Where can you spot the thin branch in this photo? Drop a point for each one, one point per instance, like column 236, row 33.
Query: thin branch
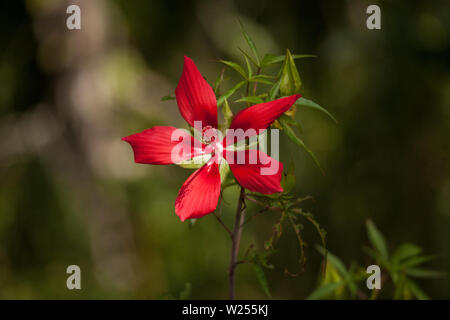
column 218, row 215
column 256, row 83
column 265, row 208
column 236, row 239
column 254, row 215
column 299, row 238
column 262, row 204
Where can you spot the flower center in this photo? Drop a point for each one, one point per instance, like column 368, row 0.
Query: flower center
column 209, row 134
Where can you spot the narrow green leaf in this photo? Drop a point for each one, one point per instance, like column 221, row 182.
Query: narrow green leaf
column 424, row 273
column 353, row 279
column 249, row 57
column 291, row 122
column 219, row 81
column 262, row 279
column 263, row 76
column 415, row 261
column 302, row 56
column 396, row 278
column 299, row 142
column 405, row 251
column 400, row 291
column 251, row 99
column 302, row 102
column 274, row 90
column 324, row 290
column 377, row 239
column 260, row 80
column 229, row 93
column 288, row 119
column 250, row 42
column 270, row 59
column 335, row 261
column 236, row 67
column 416, row 291
column 249, row 67
column 168, row 97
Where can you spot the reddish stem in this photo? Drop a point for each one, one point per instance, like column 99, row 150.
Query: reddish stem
column 236, row 239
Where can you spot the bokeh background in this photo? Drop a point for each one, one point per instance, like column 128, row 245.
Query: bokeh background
column 70, row 192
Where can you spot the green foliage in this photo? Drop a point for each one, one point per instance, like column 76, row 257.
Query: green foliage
column 286, row 205
column 286, row 81
column 404, row 264
column 344, row 280
column 259, row 272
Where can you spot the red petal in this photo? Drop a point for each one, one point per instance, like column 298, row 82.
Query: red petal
column 200, row 192
column 257, row 176
column 155, row 145
column 195, row 97
column 260, row 116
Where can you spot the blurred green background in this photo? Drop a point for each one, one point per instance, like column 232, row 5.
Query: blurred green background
column 70, row 192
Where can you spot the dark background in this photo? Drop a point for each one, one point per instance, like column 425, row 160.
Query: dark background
column 70, row 192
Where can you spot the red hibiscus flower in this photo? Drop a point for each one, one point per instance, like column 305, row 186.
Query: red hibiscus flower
column 197, row 102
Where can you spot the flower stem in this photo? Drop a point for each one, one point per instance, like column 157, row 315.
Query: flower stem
column 256, row 83
column 236, row 239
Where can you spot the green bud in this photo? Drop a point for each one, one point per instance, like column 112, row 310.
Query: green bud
column 290, row 82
